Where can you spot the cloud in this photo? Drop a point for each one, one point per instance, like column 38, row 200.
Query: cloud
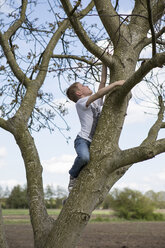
column 3, row 154
column 125, row 11
column 143, row 187
column 135, row 114
column 161, row 175
column 146, row 52
column 10, row 183
column 60, row 164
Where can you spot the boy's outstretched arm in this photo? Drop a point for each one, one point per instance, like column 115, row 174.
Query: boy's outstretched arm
column 103, row 91
column 103, row 77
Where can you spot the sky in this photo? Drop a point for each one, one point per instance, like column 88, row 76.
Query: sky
column 57, row 155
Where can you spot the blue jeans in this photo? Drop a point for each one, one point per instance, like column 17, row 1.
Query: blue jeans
column 82, row 149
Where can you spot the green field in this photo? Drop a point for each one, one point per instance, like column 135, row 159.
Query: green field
column 21, row 216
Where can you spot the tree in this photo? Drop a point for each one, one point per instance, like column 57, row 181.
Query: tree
column 131, row 204
column 54, row 197
column 157, row 198
column 24, row 74
column 17, row 198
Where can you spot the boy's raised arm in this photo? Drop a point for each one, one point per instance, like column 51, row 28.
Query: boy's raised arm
column 103, row 77
column 103, row 91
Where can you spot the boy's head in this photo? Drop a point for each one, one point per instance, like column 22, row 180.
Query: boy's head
column 77, row 91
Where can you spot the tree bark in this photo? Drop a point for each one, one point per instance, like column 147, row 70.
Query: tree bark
column 3, row 243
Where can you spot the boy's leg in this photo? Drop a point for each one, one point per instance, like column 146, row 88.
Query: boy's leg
column 83, row 156
column 82, row 149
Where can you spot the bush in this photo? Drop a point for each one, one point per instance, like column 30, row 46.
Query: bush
column 129, row 204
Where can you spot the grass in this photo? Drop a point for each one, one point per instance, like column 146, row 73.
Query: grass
column 15, row 212
column 26, row 211
column 16, row 221
column 21, row 216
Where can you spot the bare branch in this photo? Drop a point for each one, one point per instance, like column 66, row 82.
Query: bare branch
column 74, row 57
column 8, row 50
column 147, row 41
column 163, row 125
column 157, row 61
column 49, row 50
column 158, row 10
column 160, row 42
column 112, row 23
column 150, row 19
column 4, row 124
column 75, row 8
column 12, row 62
column 154, row 130
column 55, row 38
column 12, row 29
column 83, row 36
column 117, row 3
column 135, row 155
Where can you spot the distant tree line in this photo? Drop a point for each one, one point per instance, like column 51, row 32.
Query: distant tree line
column 17, row 197
column 127, row 203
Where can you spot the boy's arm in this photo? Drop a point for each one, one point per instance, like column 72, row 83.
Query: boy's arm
column 103, row 91
column 103, row 77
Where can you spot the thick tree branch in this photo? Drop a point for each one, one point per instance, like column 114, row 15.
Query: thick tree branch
column 136, row 154
column 139, row 9
column 158, row 10
column 83, row 36
column 4, row 124
column 150, row 19
column 163, row 125
column 109, row 18
column 141, row 24
column 47, row 54
column 17, row 24
column 157, row 61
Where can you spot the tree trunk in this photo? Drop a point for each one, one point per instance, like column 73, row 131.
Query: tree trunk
column 3, row 243
column 41, row 221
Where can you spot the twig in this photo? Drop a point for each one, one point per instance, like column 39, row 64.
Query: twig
column 150, row 19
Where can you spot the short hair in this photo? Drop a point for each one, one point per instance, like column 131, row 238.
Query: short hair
column 71, row 92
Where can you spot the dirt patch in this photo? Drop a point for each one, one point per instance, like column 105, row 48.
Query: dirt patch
column 101, row 235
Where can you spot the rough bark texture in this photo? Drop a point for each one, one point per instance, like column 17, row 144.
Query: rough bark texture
column 108, row 163
column 3, row 243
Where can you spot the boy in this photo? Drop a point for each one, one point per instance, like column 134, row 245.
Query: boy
column 88, row 107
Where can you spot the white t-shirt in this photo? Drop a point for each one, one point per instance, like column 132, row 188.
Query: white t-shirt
column 88, row 116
